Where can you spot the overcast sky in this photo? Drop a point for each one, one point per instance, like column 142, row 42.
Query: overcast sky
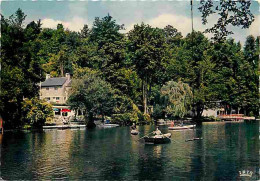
column 74, row 14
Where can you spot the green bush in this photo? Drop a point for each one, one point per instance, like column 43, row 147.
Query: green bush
column 124, row 119
column 36, row 112
column 158, row 112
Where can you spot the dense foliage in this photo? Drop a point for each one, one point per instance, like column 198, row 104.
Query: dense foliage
column 93, row 95
column 178, row 96
column 36, row 112
column 122, row 75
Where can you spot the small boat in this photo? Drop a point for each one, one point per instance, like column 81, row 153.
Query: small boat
column 182, row 127
column 108, row 125
column 134, row 132
column 158, row 140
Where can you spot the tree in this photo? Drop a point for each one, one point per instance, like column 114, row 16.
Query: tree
column 148, row 50
column 20, row 69
column 84, row 33
column 93, row 95
column 235, row 13
column 36, row 112
column 173, row 37
column 111, row 46
column 192, row 64
column 251, row 53
column 108, row 27
column 235, row 82
column 179, row 96
column 57, row 49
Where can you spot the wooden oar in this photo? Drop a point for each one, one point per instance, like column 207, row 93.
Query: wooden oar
column 144, row 136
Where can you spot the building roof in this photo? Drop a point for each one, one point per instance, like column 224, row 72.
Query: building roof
column 51, row 82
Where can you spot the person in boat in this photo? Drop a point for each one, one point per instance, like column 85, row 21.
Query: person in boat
column 158, row 133
column 133, row 126
column 172, row 124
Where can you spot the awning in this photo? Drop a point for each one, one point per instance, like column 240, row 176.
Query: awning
column 65, row 110
column 56, row 109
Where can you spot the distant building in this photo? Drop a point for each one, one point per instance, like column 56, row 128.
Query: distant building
column 214, row 112
column 56, row 91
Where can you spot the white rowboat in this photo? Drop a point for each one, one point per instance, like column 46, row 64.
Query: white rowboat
column 182, row 127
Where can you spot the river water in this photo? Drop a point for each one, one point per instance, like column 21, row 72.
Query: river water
column 114, row 153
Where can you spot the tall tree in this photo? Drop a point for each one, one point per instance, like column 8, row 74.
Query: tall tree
column 84, row 33
column 110, row 46
column 251, row 53
column 173, row 36
column 192, row 64
column 148, row 51
column 20, row 70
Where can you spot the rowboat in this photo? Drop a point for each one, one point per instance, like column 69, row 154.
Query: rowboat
column 182, row 127
column 134, row 132
column 158, row 140
column 108, row 125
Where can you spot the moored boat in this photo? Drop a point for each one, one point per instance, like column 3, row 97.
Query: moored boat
column 182, row 127
column 108, row 125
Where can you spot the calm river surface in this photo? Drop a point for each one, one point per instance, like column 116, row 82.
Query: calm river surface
column 114, row 153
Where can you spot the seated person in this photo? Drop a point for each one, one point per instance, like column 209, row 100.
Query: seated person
column 133, row 126
column 158, row 133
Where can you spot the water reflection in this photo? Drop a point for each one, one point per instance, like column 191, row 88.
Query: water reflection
column 226, row 149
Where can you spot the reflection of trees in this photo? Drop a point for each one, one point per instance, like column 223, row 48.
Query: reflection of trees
column 51, row 153
column 225, row 150
column 166, row 161
column 113, row 154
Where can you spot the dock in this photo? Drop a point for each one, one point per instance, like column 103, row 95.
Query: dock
column 69, row 126
column 235, row 117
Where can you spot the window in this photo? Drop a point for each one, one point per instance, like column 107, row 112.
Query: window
column 57, row 98
column 48, row 98
column 47, row 88
column 56, row 88
column 64, row 98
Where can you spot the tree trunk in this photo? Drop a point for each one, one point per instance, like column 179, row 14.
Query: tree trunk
column 199, row 107
column 90, row 123
column 103, row 118
column 149, row 97
column 145, row 95
column 61, row 70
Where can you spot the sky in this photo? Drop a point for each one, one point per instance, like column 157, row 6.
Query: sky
column 73, row 14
